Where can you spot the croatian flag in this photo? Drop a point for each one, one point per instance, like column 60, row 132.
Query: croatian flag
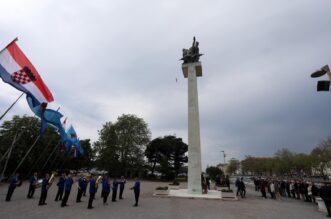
column 18, row 71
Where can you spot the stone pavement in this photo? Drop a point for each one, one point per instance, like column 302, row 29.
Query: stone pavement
column 253, row 206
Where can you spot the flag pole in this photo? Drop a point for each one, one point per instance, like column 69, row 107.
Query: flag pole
column 11, row 148
column 26, row 154
column 14, row 40
column 3, row 115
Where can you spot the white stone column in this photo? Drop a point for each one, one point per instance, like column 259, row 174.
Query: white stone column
column 191, row 71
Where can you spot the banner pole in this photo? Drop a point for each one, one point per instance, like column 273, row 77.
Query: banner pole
column 3, row 115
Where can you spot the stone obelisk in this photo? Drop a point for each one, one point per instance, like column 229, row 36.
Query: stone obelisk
column 191, row 70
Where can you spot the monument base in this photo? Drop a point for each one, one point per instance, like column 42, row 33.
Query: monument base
column 183, row 193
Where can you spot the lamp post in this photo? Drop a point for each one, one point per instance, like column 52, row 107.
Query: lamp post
column 224, row 155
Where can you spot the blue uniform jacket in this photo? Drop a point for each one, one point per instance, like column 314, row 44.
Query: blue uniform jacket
column 115, row 184
column 105, row 186
column 136, row 187
column 81, row 183
column 61, row 182
column 67, row 184
column 122, row 183
column 33, row 179
column 44, row 185
column 92, row 186
column 13, row 182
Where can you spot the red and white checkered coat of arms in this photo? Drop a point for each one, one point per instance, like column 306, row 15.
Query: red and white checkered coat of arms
column 22, row 76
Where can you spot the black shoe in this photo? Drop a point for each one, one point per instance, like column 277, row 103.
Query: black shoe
column 55, row 200
column 113, row 200
column 135, row 205
column 78, row 201
column 90, row 207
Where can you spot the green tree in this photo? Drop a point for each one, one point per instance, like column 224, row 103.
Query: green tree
column 233, row 166
column 26, row 130
column 321, row 156
column 213, row 171
column 121, row 145
column 170, row 153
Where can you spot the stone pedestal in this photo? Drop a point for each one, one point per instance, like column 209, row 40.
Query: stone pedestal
column 192, row 71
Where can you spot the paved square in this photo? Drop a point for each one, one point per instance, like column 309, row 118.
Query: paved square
column 253, row 206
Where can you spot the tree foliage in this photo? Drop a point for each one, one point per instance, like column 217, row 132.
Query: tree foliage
column 120, row 147
column 213, row 172
column 169, row 153
column 233, row 166
column 45, row 156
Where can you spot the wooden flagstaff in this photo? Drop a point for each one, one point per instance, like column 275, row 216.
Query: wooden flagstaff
column 3, row 115
column 14, row 40
column 9, row 153
column 27, row 153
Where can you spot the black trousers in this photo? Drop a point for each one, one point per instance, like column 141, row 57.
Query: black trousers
column 84, row 191
column 65, row 198
column 32, row 189
column 121, row 192
column 43, row 197
column 79, row 195
column 114, row 195
column 328, row 205
column 136, row 196
column 10, row 193
column 264, row 195
column 90, row 200
column 59, row 194
column 105, row 196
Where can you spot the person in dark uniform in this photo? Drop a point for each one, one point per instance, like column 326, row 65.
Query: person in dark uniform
column 60, row 186
column 122, row 184
column 81, row 188
column 67, row 188
column 104, row 178
column 105, row 189
column 14, row 182
column 325, row 193
column 32, row 187
column 114, row 187
column 93, row 190
column 44, row 189
column 85, row 185
column 136, row 190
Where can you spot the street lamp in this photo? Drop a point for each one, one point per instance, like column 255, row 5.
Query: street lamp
column 224, row 155
column 322, row 85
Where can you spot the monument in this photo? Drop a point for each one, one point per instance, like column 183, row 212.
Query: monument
column 192, row 69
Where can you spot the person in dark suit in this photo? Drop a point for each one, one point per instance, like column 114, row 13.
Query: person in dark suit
column 325, row 193
column 60, row 186
column 67, row 188
column 114, row 187
column 44, row 189
column 93, row 190
column 105, row 189
column 14, row 182
column 136, row 190
column 81, row 188
column 122, row 184
column 32, row 187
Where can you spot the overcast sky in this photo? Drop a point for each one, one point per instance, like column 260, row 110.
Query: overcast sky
column 102, row 58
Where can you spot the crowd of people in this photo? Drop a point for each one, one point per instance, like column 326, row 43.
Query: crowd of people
column 295, row 188
column 65, row 182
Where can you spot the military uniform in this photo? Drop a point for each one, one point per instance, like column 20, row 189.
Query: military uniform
column 32, row 187
column 44, row 189
column 67, row 188
column 92, row 191
column 12, row 187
